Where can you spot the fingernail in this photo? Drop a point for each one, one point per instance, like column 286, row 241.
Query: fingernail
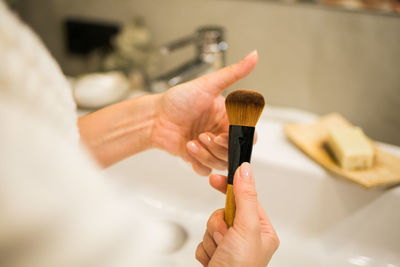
column 251, row 54
column 204, row 138
column 192, row 147
column 245, row 171
column 217, row 237
column 221, row 141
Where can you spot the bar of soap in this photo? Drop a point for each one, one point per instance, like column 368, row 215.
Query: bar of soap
column 351, row 147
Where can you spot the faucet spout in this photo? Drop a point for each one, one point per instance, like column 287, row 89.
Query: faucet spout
column 186, row 72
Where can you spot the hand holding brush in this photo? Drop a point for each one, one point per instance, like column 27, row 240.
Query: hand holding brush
column 251, row 241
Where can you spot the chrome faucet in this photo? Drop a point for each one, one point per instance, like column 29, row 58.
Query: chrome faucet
column 210, row 56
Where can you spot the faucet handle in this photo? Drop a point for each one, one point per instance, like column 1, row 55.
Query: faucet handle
column 210, row 35
column 210, row 39
column 174, row 45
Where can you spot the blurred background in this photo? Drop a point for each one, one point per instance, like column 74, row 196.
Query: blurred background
column 321, row 56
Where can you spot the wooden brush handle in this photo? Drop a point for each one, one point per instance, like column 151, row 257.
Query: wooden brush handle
column 230, row 206
column 239, row 151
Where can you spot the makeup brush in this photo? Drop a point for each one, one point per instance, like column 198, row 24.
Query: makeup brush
column 243, row 108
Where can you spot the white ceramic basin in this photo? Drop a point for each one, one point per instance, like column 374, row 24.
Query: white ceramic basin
column 322, row 220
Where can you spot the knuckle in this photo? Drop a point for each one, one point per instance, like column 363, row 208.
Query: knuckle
column 210, row 159
column 201, row 170
column 205, row 171
column 275, row 241
column 272, row 243
column 208, row 244
column 205, row 157
column 223, row 155
column 221, row 165
column 214, row 219
column 218, row 149
column 248, row 193
column 218, row 158
column 199, row 252
column 231, row 69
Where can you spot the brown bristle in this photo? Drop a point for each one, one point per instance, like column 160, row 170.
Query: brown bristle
column 244, row 107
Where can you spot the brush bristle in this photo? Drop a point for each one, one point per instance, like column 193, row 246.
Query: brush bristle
column 244, row 107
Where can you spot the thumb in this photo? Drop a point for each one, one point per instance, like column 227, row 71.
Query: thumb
column 216, row 82
column 246, row 198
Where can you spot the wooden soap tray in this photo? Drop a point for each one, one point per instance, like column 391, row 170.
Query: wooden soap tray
column 311, row 138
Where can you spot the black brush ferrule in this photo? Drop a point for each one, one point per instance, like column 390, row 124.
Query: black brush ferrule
column 240, row 147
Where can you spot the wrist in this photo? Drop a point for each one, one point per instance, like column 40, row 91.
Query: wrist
column 120, row 130
column 142, row 115
column 163, row 133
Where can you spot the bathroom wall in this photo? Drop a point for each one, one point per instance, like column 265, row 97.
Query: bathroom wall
column 316, row 59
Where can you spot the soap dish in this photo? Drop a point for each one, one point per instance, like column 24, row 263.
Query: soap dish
column 311, row 139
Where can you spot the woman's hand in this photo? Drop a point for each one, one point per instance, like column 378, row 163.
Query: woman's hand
column 191, row 120
column 251, row 241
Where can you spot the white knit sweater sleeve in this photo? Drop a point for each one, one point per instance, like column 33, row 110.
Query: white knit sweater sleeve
column 56, row 208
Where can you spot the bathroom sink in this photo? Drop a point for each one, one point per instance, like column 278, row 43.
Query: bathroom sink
column 321, row 219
